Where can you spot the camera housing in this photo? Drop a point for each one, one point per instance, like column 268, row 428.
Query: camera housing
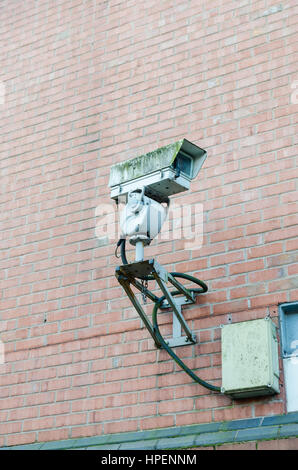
column 163, row 172
column 142, row 218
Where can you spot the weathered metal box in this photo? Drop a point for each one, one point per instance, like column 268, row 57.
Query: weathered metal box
column 250, row 359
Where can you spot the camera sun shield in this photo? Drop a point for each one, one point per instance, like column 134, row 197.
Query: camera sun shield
column 163, row 172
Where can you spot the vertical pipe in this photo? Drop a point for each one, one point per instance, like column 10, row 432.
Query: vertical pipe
column 139, row 251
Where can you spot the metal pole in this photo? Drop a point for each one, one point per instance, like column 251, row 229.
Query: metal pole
column 126, row 286
column 139, row 251
column 172, row 303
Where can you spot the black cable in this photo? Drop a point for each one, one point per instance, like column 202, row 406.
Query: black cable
column 173, row 355
column 122, row 250
column 203, row 288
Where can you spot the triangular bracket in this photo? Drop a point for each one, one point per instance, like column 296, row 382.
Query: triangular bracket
column 135, row 273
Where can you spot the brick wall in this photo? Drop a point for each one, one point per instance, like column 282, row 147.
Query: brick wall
column 87, row 83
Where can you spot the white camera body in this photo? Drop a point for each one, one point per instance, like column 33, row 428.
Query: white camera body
column 141, row 218
column 164, row 172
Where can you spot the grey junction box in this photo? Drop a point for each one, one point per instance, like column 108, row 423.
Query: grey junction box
column 250, row 359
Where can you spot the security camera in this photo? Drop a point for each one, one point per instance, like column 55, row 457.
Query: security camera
column 163, row 172
column 145, row 183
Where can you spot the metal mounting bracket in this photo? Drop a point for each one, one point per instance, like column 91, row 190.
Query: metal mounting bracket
column 132, row 274
column 177, row 338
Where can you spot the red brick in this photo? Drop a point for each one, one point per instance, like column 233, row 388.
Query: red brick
column 227, row 258
column 54, row 435
column 121, row 426
column 269, row 409
column 72, row 419
column 196, row 417
column 86, row 431
column 111, row 414
column 278, row 444
column 176, row 406
column 36, row 424
column 271, row 299
column 212, row 401
column 238, row 446
column 249, row 291
column 157, row 422
column 262, row 276
column 20, row 438
column 238, row 268
column 261, row 251
column 229, row 307
column 54, row 409
column 237, row 412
